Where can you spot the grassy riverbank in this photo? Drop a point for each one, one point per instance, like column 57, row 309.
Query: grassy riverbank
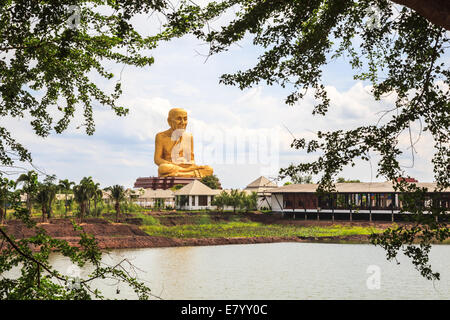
column 253, row 229
column 170, row 229
column 243, row 226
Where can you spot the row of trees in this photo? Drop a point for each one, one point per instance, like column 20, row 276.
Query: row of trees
column 307, row 179
column 86, row 193
column 236, row 199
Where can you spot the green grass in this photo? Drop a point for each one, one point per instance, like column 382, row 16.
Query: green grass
column 147, row 220
column 252, row 229
column 203, row 220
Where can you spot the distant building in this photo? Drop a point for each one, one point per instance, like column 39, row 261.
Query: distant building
column 195, row 196
column 364, row 197
column 262, row 187
column 149, row 198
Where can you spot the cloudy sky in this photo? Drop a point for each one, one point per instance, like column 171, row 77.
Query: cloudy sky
column 241, row 134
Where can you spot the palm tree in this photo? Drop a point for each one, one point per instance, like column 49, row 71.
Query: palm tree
column 91, row 188
column 30, row 186
column 95, row 193
column 82, row 195
column 66, row 187
column 221, row 200
column 52, row 190
column 235, row 199
column 43, row 199
column 6, row 187
column 117, row 193
column 250, row 202
column 98, row 195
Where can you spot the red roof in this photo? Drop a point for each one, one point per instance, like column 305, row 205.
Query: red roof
column 407, row 179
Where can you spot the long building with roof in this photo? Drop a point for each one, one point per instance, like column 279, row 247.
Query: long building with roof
column 359, row 197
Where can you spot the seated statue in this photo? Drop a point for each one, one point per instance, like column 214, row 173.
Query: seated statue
column 174, row 149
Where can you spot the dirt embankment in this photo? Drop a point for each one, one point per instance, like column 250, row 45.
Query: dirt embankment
column 118, row 235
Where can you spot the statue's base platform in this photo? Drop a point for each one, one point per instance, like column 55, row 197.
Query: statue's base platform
column 161, row 182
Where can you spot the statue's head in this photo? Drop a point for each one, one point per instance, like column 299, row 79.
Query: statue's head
column 177, row 118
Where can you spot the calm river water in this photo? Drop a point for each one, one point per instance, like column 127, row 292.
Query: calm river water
column 277, row 271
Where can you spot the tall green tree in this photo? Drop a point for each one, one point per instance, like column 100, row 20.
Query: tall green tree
column 211, row 181
column 65, row 186
column 82, row 194
column 221, row 200
column 7, row 195
column 393, row 48
column 52, row 190
column 235, row 199
column 250, row 201
column 48, row 49
column 30, row 184
column 90, row 188
column 42, row 198
column 98, row 196
column 117, row 194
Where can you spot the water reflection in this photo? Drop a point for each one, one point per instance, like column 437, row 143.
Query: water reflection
column 276, row 271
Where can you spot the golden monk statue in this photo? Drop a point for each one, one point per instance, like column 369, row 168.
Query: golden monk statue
column 174, row 149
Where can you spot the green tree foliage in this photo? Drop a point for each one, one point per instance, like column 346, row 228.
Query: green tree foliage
column 52, row 190
column 82, row 195
column 235, row 199
column 221, row 200
column 211, row 181
column 97, row 195
column 250, row 201
column 177, row 187
column 343, row 180
column 44, row 197
column 8, row 195
column 30, row 184
column 38, row 280
column 65, row 186
column 117, row 194
column 47, row 50
column 401, row 54
column 301, row 179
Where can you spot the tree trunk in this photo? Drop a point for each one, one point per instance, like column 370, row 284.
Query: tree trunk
column 82, row 211
column 43, row 211
column 66, row 205
column 50, row 210
column 1, row 214
column 29, row 204
column 435, row 11
column 117, row 207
